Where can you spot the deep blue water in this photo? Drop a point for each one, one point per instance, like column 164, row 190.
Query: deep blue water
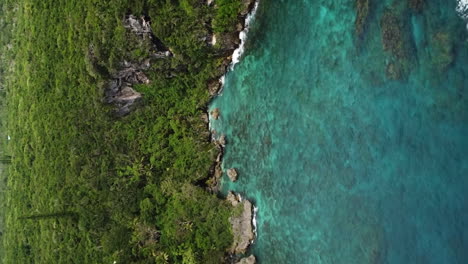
column 345, row 164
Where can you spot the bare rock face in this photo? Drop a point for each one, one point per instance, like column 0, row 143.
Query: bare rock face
column 119, row 90
column 232, row 174
column 249, row 260
column 216, row 172
column 138, row 26
column 232, row 198
column 242, row 228
column 221, row 141
column 204, row 117
column 247, row 6
column 215, row 113
column 228, row 42
column 214, row 87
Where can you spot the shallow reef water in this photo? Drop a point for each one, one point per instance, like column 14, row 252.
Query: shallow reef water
column 351, row 137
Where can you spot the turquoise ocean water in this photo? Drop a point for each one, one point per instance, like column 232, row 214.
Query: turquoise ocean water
column 345, row 164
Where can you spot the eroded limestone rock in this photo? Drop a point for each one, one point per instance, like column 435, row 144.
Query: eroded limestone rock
column 214, row 87
column 119, row 90
column 215, row 113
column 232, row 198
column 249, row 260
column 242, row 227
column 232, row 174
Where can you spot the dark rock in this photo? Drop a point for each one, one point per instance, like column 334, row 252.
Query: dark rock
column 215, row 113
column 142, row 28
column 204, row 117
column 222, row 68
column 216, row 172
column 249, row 260
column 247, row 6
column 227, row 42
column 119, row 90
column 232, row 174
column 221, row 141
column 214, row 86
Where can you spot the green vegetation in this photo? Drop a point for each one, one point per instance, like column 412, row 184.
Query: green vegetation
column 84, row 186
column 226, row 17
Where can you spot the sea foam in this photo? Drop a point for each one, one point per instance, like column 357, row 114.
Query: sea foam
column 237, row 54
column 243, row 37
column 254, row 222
column 462, row 8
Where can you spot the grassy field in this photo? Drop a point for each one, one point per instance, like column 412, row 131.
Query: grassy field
column 83, row 186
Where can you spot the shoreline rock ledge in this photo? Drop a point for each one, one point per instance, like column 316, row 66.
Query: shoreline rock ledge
column 241, row 222
column 249, row 260
column 232, row 174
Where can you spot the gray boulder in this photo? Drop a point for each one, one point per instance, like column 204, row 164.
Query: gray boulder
column 249, row 260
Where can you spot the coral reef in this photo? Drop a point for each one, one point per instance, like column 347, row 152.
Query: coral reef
column 442, row 50
column 362, row 13
column 416, row 5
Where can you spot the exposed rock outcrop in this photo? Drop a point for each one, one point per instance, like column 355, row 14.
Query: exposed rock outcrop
column 227, row 42
column 214, row 87
column 249, row 260
column 142, row 28
column 216, row 171
column 232, row 198
column 119, row 90
column 138, row 26
column 221, row 141
column 204, row 117
column 215, row 113
column 232, row 174
column 242, row 227
column 247, row 6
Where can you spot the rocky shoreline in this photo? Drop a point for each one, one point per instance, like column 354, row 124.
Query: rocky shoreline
column 242, row 219
column 228, row 47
